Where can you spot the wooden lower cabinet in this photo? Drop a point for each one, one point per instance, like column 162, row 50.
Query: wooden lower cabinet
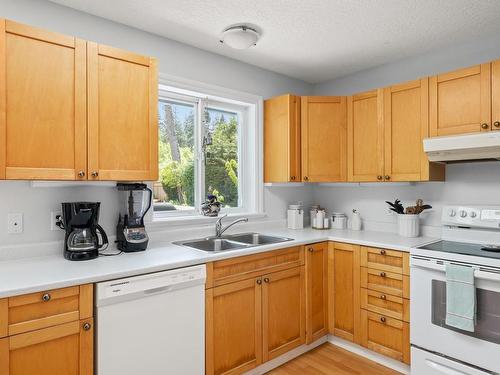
column 385, row 335
column 283, row 310
column 344, row 298
column 316, row 266
column 254, row 320
column 234, row 327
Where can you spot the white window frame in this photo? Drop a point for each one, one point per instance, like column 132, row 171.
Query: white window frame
column 250, row 160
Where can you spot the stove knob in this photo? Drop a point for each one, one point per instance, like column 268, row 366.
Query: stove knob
column 472, row 214
column 463, row 213
column 452, row 213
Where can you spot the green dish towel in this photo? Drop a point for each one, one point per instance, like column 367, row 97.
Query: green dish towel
column 460, row 297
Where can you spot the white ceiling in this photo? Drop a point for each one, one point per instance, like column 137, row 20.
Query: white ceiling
column 312, row 40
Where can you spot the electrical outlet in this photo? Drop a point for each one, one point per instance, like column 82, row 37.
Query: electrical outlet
column 15, row 223
column 55, row 216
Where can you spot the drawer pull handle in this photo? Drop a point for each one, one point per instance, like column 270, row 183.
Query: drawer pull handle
column 46, row 297
column 382, row 252
column 266, row 280
column 383, row 296
column 310, row 249
column 382, row 274
column 259, row 281
column 382, row 319
column 86, row 326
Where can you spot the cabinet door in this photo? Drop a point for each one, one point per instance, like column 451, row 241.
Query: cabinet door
column 282, row 139
column 283, row 312
column 406, row 124
column 323, row 138
column 460, row 101
column 344, row 306
column 365, row 136
column 234, row 327
column 316, row 291
column 66, row 349
column 42, row 104
column 495, row 94
column 122, row 110
column 385, row 335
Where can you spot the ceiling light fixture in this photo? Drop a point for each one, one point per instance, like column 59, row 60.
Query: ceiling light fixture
column 240, row 37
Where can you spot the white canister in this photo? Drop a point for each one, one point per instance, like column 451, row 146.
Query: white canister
column 312, row 212
column 339, row 220
column 356, row 220
column 295, row 216
column 320, row 219
column 408, row 225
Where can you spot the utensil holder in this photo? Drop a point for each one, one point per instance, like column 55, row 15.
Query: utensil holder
column 408, row 225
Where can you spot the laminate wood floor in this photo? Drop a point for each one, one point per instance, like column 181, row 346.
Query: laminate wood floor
column 329, row 359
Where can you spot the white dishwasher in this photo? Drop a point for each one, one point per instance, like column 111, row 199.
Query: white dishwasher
column 152, row 324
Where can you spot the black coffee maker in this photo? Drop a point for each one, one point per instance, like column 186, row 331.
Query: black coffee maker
column 131, row 233
column 79, row 220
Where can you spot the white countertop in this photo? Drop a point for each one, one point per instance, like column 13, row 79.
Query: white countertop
column 29, row 275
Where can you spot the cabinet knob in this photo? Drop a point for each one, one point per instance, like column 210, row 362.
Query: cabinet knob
column 496, row 124
column 382, row 252
column 383, row 296
column 86, row 326
column 306, row 178
column 259, row 281
column 266, row 280
column 484, row 126
column 382, row 274
column 46, row 297
column 95, row 174
column 382, row 319
column 387, row 177
column 81, row 174
column 379, row 178
column 310, row 249
column 292, row 178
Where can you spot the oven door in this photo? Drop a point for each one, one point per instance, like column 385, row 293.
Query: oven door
column 428, row 311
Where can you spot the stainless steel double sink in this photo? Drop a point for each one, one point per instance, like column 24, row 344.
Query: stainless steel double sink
column 232, row 242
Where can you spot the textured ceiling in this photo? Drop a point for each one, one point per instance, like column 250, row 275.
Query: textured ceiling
column 312, row 40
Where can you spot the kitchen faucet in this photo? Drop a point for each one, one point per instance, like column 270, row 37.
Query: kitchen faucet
column 218, row 225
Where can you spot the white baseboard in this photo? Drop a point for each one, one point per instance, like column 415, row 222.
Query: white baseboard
column 278, row 361
column 375, row 357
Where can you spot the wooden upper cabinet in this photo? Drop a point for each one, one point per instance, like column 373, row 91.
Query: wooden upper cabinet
column 460, row 101
column 282, row 139
column 365, row 136
column 323, row 122
column 406, row 124
column 42, row 104
column 316, row 265
column 495, row 95
column 283, row 312
column 122, row 110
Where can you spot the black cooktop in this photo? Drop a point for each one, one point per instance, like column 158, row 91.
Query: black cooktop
column 464, row 249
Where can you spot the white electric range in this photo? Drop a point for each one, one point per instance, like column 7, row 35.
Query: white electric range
column 470, row 237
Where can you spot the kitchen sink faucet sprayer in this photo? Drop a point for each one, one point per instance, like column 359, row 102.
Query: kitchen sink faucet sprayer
column 218, row 225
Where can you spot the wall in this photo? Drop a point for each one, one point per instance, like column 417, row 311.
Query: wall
column 468, row 183
column 446, row 59
column 175, row 59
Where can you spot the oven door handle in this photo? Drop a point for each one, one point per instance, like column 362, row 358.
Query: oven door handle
column 431, row 264
column 443, row 369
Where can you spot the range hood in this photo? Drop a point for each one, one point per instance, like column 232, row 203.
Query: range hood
column 469, row 147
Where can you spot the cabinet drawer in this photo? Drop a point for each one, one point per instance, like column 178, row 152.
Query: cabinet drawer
column 241, row 268
column 386, row 282
column 386, row 304
column 385, row 335
column 48, row 308
column 385, row 260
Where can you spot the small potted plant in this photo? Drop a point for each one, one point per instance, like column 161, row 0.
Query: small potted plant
column 408, row 219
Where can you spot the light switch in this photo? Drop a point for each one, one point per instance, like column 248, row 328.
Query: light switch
column 15, row 223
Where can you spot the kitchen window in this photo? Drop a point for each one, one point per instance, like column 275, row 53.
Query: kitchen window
column 206, row 145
